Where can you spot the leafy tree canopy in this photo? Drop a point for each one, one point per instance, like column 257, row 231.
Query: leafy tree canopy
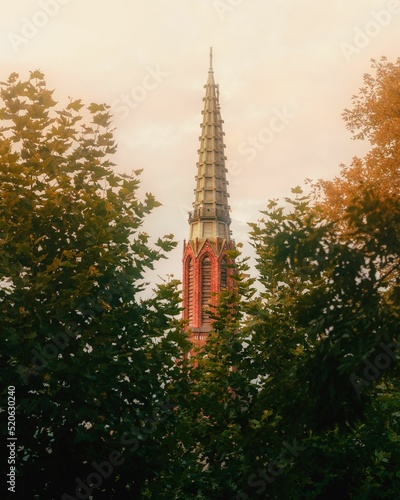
column 93, row 365
column 296, row 394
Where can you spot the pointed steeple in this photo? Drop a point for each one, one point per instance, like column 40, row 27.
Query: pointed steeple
column 210, row 216
column 210, row 80
column 207, row 266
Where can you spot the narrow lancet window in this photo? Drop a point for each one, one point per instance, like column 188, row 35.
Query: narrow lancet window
column 206, row 289
column 190, row 290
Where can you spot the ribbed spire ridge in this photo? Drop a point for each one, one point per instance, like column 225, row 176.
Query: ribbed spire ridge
column 210, row 217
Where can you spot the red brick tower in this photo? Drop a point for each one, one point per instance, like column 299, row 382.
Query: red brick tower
column 206, row 268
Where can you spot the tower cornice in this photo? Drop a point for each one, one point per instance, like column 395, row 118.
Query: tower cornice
column 217, row 246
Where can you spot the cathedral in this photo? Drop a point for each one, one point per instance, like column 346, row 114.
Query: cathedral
column 206, row 267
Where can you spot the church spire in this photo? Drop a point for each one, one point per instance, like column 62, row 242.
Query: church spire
column 207, row 266
column 210, row 216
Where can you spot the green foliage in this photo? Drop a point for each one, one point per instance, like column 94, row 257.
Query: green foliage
column 274, row 410
column 93, row 365
column 331, row 303
column 296, row 392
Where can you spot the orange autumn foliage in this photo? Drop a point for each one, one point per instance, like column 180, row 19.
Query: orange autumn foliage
column 374, row 117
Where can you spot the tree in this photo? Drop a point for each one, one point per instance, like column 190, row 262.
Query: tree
column 335, row 389
column 296, row 395
column 93, row 366
column 331, row 302
column 375, row 118
column 206, row 454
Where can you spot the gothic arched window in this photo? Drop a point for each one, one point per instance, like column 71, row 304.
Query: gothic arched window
column 190, row 276
column 205, row 289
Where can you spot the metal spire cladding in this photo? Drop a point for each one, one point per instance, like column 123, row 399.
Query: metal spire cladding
column 210, row 216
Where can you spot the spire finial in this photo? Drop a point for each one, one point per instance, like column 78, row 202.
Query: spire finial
column 211, row 59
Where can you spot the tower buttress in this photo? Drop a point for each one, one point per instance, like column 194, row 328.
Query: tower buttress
column 206, row 270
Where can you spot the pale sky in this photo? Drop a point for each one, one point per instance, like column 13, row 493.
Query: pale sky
column 286, row 70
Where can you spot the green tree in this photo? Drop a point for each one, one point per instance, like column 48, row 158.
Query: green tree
column 327, row 322
column 296, row 395
column 214, row 407
column 332, row 389
column 94, row 366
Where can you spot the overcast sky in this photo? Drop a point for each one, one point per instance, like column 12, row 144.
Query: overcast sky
column 286, row 69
